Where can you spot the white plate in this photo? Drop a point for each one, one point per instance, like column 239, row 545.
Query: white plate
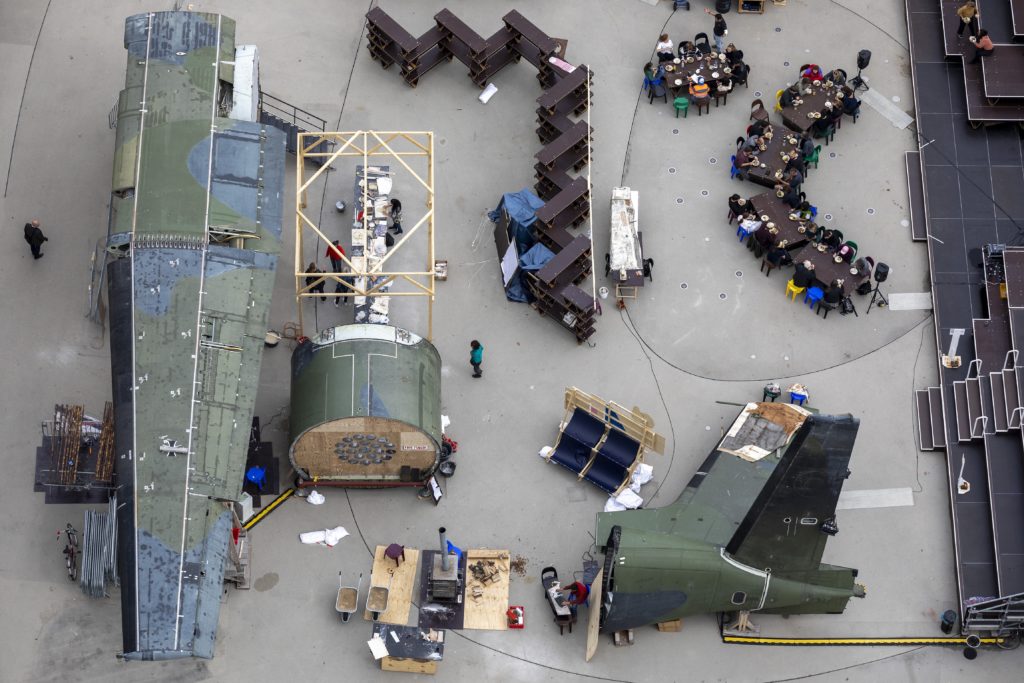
column 679, row 81
column 714, row 74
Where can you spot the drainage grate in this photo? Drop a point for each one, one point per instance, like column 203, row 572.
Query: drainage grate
column 828, row 216
column 672, row 169
column 723, row 296
column 679, row 200
column 683, row 285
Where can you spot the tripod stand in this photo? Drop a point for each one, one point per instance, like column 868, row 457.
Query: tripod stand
column 876, row 294
column 858, row 83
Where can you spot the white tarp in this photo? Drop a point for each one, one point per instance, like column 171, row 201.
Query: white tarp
column 325, row 537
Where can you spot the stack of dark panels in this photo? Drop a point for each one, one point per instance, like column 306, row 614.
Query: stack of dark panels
column 567, row 142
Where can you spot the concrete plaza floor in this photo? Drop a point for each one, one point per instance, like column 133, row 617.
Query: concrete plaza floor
column 677, row 352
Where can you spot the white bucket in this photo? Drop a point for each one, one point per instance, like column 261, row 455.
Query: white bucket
column 603, row 291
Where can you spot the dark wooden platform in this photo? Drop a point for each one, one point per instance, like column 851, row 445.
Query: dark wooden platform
column 972, row 178
column 1017, row 17
column 1002, row 72
column 915, row 189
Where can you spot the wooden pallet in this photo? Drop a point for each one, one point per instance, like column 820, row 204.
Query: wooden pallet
column 401, row 578
column 487, row 612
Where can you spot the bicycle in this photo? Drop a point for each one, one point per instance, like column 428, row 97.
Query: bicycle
column 70, row 551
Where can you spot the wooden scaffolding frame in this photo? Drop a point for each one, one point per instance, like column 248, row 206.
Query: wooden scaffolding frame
column 367, row 144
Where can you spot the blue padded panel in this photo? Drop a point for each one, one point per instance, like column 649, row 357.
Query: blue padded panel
column 619, row 448
column 571, row 454
column 584, row 427
column 605, row 474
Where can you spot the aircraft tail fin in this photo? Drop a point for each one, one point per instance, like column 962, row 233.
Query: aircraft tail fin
column 792, row 518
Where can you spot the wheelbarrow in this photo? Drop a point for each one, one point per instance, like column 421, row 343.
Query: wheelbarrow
column 377, row 599
column 348, row 598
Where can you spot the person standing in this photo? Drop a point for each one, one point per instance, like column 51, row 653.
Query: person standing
column 720, row 30
column 396, row 216
column 35, row 238
column 311, row 278
column 334, row 252
column 476, row 357
column 968, row 13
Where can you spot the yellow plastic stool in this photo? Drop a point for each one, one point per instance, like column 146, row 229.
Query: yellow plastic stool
column 792, row 290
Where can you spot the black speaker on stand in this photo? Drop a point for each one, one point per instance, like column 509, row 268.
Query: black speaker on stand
column 863, row 59
column 881, row 275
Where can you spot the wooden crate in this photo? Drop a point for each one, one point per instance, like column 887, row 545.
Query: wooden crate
column 673, row 626
column 412, row 666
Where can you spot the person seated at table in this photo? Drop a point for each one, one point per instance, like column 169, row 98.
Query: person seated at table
column 745, row 160
column 805, row 210
column 699, row 90
column 732, row 55
column 724, row 86
column 983, row 45
column 751, row 223
column 846, row 252
column 792, row 178
column 789, row 96
column 791, row 196
column 664, row 48
column 576, row 594
column 834, row 293
column 778, row 256
column 803, row 275
column 831, row 239
column 652, row 73
column 851, row 105
column 806, row 145
column 688, row 49
column 838, row 77
column 812, row 231
column 740, row 72
column 822, row 127
column 762, row 240
column 798, row 163
column 833, row 115
column 737, row 205
column 758, row 127
column 812, row 73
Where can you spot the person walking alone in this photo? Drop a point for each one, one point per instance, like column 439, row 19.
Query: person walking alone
column 476, row 357
column 968, row 13
column 35, row 238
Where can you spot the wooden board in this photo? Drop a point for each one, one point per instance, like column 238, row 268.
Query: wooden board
column 412, row 666
column 402, row 580
column 488, row 611
column 673, row 626
column 594, row 618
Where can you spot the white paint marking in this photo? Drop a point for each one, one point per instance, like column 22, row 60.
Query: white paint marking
column 875, row 498
column 910, row 301
column 883, row 106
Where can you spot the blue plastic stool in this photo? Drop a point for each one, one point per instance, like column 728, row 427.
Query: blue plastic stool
column 797, row 398
column 813, row 296
column 257, row 475
column 743, row 234
column 733, row 172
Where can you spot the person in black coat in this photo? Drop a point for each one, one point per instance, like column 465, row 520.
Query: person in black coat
column 803, row 276
column 834, row 293
column 737, row 205
column 35, row 238
column 778, row 256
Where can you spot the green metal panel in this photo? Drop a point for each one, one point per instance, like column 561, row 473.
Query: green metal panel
column 363, row 371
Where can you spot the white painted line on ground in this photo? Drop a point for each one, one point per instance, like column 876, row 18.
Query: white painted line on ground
column 875, row 498
column 910, row 301
column 884, row 106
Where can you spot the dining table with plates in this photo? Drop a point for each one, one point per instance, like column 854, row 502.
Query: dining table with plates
column 813, row 103
column 680, row 73
column 773, row 153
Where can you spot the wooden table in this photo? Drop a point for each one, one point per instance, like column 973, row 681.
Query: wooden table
column 826, row 270
column 769, row 204
column 772, row 158
column 685, row 72
column 795, row 116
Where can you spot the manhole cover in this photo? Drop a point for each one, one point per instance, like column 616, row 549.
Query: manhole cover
column 828, row 216
column 871, row 212
column 785, row 64
column 712, row 161
column 704, row 193
column 683, row 285
column 675, row 131
column 672, row 169
column 831, row 155
column 679, row 200
column 723, row 296
column 739, row 273
column 778, row 29
column 757, row 93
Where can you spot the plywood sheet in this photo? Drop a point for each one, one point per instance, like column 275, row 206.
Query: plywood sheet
column 594, row 618
column 401, row 578
column 488, row 611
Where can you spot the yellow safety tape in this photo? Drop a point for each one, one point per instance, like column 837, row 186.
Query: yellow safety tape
column 901, row 640
column 258, row 517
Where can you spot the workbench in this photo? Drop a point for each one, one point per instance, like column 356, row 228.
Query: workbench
column 401, row 579
column 625, row 255
column 410, row 649
column 487, row 612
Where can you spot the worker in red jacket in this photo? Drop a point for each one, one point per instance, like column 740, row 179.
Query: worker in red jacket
column 576, row 594
column 334, row 252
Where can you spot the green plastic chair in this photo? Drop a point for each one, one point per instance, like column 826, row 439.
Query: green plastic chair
column 813, row 158
column 681, row 104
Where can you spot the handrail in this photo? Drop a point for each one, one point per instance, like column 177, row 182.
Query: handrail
column 289, row 112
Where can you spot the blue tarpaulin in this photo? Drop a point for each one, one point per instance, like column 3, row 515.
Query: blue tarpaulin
column 521, row 208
